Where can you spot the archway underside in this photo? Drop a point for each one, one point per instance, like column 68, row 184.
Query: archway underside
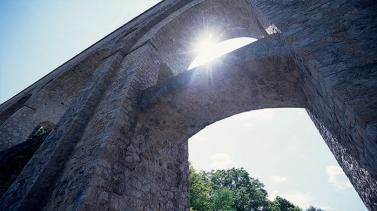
column 121, row 142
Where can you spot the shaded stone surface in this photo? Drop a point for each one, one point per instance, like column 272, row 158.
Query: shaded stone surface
column 122, row 125
column 15, row 158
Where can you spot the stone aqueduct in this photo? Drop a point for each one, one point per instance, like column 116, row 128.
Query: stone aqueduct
column 124, row 108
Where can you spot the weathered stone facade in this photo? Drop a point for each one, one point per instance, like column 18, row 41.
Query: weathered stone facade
column 125, row 107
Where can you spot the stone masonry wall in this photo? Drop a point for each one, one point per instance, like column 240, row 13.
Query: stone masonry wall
column 120, row 141
column 335, row 47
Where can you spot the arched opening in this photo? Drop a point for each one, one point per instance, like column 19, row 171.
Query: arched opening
column 13, row 160
column 4, row 115
column 284, row 150
column 261, row 75
column 250, row 78
column 208, row 49
column 182, row 106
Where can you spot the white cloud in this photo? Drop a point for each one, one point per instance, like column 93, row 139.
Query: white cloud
column 278, row 179
column 337, row 177
column 221, row 161
column 303, row 200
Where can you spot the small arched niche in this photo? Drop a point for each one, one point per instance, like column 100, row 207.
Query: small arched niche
column 13, row 160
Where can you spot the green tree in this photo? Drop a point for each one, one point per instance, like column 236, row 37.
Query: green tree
column 248, row 192
column 199, row 191
column 281, row 204
column 223, row 200
column 233, row 190
column 312, row 208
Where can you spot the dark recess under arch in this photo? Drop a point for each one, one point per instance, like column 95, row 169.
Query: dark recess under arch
column 13, row 160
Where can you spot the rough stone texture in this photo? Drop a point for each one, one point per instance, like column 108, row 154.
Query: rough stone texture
column 335, row 48
column 13, row 160
column 120, row 141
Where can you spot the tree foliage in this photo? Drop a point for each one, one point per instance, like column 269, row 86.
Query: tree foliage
column 281, row 204
column 199, row 191
column 233, row 190
column 311, row 208
column 224, row 200
column 248, row 192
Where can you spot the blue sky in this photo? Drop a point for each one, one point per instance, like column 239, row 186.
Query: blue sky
column 281, row 147
column 284, row 150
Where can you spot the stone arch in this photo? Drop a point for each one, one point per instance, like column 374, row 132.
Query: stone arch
column 170, row 105
column 182, row 106
column 121, row 144
column 13, row 160
column 261, row 75
column 46, row 102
